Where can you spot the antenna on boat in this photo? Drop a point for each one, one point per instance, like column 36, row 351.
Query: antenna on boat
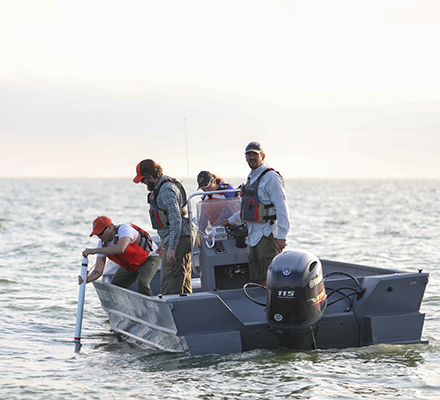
column 186, row 144
column 79, row 313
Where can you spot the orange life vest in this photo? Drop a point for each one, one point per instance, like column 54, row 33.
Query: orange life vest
column 134, row 255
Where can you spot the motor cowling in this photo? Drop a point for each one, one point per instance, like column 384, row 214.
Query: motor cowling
column 296, row 298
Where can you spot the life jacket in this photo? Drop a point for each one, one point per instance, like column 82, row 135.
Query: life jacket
column 158, row 216
column 252, row 209
column 136, row 253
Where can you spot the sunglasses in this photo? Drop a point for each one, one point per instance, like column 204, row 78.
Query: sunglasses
column 102, row 232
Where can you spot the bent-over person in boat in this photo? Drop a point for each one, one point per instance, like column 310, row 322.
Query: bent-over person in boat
column 128, row 246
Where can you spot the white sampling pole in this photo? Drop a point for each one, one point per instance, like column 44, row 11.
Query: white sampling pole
column 81, row 296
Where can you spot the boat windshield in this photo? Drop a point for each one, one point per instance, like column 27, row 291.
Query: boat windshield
column 212, row 212
column 206, row 214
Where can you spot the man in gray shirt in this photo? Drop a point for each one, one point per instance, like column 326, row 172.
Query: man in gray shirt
column 265, row 210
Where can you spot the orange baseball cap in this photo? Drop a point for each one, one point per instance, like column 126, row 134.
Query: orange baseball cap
column 139, row 175
column 146, row 167
column 99, row 224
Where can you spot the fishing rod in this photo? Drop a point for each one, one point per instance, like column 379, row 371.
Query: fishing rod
column 186, row 144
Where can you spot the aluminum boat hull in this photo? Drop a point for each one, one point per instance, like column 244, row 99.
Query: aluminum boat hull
column 226, row 321
column 365, row 305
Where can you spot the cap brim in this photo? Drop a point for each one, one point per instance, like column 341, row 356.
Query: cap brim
column 253, row 151
column 96, row 232
column 138, row 178
column 205, row 186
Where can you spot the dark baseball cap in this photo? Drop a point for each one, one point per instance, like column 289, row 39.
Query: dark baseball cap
column 253, row 147
column 204, row 178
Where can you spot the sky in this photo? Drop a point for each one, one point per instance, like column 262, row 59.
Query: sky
column 331, row 89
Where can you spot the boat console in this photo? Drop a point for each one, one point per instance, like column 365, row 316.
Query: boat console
column 219, row 253
column 223, row 265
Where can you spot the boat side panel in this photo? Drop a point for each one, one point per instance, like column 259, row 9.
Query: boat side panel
column 246, row 310
column 393, row 329
column 388, row 311
column 145, row 336
column 386, row 294
column 398, row 293
column 151, row 309
column 256, row 332
column 223, row 322
column 354, row 269
column 338, row 330
column 145, row 320
column 214, row 343
column 203, row 313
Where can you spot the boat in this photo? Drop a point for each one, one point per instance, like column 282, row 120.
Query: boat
column 308, row 303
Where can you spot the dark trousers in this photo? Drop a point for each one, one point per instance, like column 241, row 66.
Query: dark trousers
column 260, row 257
column 142, row 276
column 176, row 278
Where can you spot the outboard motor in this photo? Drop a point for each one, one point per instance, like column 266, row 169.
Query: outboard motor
column 296, row 298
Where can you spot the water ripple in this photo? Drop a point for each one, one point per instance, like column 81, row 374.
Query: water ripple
column 45, row 225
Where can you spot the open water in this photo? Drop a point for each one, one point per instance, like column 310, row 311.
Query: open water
column 45, row 224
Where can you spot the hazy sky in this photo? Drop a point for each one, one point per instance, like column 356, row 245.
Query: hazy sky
column 341, row 88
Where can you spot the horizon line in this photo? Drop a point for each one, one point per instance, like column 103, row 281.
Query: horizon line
column 22, row 177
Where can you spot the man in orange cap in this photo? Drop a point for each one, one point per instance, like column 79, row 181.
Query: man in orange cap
column 128, row 246
column 168, row 213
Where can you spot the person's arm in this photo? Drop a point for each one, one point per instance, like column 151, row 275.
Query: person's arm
column 277, row 196
column 114, row 249
column 96, row 272
column 233, row 219
column 168, row 199
column 231, row 194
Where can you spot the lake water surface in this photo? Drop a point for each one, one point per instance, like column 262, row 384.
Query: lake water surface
column 44, row 226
